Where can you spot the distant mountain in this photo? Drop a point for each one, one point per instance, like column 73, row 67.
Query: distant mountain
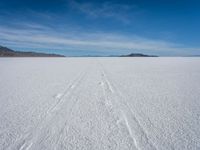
column 137, row 55
column 6, row 52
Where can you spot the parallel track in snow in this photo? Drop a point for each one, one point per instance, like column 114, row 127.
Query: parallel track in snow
column 30, row 138
column 134, row 128
column 153, row 104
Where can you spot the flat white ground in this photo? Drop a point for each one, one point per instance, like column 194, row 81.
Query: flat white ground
column 99, row 103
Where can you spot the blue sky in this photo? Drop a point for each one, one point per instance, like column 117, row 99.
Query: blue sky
column 72, row 27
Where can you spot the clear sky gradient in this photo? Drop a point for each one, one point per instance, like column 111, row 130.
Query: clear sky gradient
column 77, row 27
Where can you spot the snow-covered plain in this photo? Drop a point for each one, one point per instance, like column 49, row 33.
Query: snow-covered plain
column 100, row 103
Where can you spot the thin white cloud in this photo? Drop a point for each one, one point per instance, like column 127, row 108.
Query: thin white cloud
column 31, row 37
column 104, row 10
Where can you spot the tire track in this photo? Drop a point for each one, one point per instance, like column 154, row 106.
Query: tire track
column 26, row 142
column 68, row 91
column 121, row 120
column 65, row 126
column 136, row 131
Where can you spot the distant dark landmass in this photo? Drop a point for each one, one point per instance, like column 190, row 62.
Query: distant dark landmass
column 6, row 52
column 138, row 55
column 128, row 55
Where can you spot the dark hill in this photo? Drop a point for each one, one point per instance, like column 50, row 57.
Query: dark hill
column 6, row 52
column 137, row 55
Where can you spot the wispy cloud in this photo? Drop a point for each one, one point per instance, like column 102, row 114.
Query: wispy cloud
column 39, row 36
column 109, row 10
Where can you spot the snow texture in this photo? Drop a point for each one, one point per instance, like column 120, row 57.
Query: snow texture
column 99, row 103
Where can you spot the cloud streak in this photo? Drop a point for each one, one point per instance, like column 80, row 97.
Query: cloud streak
column 105, row 10
column 39, row 36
